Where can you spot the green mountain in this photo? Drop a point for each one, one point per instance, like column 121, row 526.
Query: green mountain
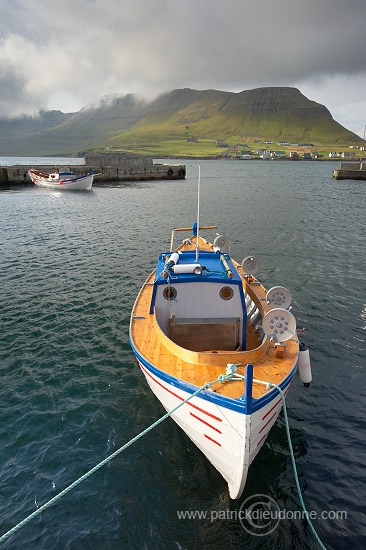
column 130, row 124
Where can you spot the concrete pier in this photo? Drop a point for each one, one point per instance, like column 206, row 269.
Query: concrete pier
column 351, row 171
column 109, row 167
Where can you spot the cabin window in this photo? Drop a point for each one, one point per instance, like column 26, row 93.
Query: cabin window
column 170, row 293
column 226, row 293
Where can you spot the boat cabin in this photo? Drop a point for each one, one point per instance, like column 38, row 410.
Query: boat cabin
column 200, row 305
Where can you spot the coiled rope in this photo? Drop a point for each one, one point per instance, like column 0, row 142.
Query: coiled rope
column 231, row 374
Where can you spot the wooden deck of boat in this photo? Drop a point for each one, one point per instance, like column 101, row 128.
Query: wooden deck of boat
column 198, row 368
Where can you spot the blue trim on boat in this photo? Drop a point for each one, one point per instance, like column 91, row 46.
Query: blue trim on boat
column 263, row 401
column 215, row 269
column 248, row 388
column 211, row 396
column 244, row 323
column 238, row 405
column 153, row 297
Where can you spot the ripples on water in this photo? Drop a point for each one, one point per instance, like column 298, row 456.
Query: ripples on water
column 71, row 267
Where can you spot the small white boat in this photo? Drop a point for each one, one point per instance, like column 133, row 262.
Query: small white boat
column 199, row 316
column 61, row 180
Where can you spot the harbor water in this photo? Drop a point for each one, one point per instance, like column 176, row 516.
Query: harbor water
column 71, row 392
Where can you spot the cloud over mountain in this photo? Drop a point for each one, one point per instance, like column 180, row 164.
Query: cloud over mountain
column 71, row 53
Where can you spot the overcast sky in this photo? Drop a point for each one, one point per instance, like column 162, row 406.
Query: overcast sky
column 67, row 54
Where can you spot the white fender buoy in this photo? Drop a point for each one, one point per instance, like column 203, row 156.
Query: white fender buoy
column 304, row 365
column 187, row 268
column 173, row 259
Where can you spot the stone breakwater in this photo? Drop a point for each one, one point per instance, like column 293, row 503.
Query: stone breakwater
column 107, row 167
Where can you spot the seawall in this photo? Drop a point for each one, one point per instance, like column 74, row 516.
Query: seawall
column 108, row 167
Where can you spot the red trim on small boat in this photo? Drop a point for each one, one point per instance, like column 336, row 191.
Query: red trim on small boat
column 179, row 397
column 210, row 438
column 204, row 421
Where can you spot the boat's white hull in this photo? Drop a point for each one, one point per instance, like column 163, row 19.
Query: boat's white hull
column 230, row 439
column 83, row 183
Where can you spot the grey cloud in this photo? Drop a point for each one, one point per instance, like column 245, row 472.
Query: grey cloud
column 14, row 98
column 151, row 46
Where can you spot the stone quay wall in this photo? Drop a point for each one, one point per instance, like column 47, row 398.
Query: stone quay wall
column 107, row 167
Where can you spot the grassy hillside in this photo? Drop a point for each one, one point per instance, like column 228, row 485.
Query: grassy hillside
column 163, row 126
column 277, row 114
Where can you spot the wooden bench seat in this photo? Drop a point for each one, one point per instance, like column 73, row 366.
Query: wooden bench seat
column 205, row 334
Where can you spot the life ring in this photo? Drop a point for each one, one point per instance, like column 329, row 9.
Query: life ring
column 182, row 172
column 170, row 172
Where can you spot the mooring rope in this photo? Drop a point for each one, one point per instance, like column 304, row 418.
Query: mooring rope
column 230, row 375
column 270, row 385
column 57, row 497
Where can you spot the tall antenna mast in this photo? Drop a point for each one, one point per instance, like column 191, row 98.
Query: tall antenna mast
column 198, row 211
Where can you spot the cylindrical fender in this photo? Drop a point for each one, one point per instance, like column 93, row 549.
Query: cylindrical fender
column 304, row 365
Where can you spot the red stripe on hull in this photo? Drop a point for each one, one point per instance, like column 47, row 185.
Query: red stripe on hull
column 205, row 412
column 204, row 422
column 179, row 397
column 275, row 405
column 260, row 441
column 210, row 438
column 266, row 424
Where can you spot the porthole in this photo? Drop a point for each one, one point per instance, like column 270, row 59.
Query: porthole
column 170, row 293
column 226, row 293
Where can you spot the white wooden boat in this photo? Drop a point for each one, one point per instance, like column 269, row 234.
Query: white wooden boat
column 61, row 180
column 192, row 321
